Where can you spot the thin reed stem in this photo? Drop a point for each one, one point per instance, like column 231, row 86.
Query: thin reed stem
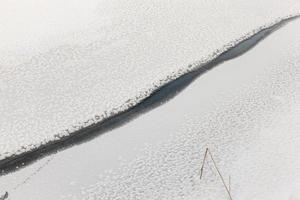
column 220, row 175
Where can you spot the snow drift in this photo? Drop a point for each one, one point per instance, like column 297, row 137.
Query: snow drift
column 59, row 77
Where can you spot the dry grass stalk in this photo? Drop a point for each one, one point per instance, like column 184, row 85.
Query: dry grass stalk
column 207, row 151
column 203, row 162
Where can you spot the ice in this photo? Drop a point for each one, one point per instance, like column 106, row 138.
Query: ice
column 246, row 110
column 68, row 66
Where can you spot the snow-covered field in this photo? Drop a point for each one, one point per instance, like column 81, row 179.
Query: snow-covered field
column 59, row 76
column 246, row 110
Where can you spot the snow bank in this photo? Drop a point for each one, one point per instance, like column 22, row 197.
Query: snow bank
column 68, row 66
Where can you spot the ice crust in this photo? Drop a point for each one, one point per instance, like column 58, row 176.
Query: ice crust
column 249, row 119
column 58, row 77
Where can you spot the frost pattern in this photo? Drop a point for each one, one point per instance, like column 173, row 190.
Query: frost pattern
column 107, row 68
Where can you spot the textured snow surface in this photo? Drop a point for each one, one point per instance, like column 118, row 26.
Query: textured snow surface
column 67, row 65
column 249, row 118
column 246, row 110
column 252, row 131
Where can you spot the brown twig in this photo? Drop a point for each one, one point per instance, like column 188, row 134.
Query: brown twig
column 207, row 151
column 220, row 175
column 203, row 162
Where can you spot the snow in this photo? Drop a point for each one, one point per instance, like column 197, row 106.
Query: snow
column 66, row 66
column 246, row 110
column 250, row 123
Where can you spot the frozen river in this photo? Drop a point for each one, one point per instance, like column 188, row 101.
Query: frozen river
column 246, row 111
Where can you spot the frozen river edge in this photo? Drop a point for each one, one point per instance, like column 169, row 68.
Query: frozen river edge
column 160, row 93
